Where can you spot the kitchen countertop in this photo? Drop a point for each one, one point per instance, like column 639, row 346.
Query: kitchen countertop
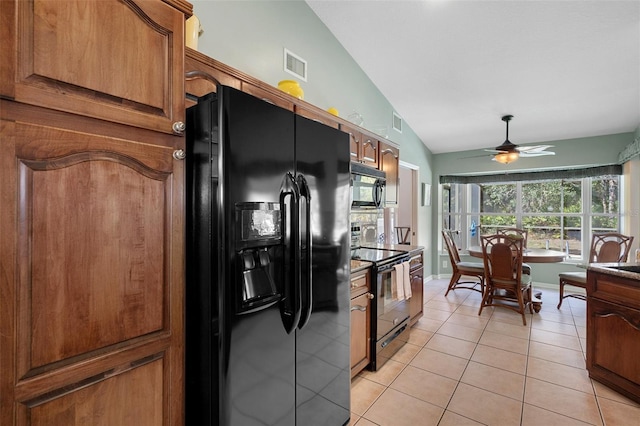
column 358, row 265
column 612, row 269
column 401, row 247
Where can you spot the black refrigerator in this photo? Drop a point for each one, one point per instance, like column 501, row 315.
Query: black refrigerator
column 267, row 273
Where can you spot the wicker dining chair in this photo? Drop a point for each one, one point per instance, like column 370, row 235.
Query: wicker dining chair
column 462, row 269
column 506, row 285
column 605, row 247
column 526, row 269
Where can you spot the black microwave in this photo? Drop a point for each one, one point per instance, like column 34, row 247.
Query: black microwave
column 367, row 186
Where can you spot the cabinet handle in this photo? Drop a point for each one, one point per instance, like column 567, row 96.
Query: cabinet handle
column 359, row 308
column 370, row 296
column 179, row 154
column 179, row 127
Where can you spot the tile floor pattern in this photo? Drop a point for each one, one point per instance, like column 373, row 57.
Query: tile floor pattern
column 463, row 369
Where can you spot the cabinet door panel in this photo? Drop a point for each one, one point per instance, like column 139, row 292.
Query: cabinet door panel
column 134, row 397
column 93, row 242
column 390, row 163
column 117, row 60
column 360, row 331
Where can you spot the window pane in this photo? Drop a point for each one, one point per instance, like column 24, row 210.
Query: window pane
column 604, row 224
column 604, row 194
column 489, row 223
column 572, row 196
column 541, row 197
column 498, row 198
column 573, row 235
column 543, row 230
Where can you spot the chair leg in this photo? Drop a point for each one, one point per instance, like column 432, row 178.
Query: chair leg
column 521, row 304
column 454, row 279
column 530, row 298
column 485, row 296
column 561, row 293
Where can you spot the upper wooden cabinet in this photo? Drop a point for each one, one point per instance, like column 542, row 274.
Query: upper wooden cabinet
column 370, row 149
column 120, row 61
column 390, row 163
column 364, row 147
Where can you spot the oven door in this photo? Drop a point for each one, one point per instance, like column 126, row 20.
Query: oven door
column 391, row 312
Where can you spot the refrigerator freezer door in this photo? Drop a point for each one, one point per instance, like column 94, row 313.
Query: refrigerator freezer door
column 323, row 370
column 258, row 355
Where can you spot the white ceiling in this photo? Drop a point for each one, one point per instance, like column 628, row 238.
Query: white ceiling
column 453, row 68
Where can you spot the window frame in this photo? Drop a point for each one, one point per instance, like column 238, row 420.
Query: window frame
column 468, row 212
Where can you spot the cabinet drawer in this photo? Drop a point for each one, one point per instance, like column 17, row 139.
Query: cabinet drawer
column 359, row 283
column 416, row 261
column 615, row 289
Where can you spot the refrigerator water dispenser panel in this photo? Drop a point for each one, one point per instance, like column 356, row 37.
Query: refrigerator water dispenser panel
column 258, row 287
column 258, row 223
column 259, row 235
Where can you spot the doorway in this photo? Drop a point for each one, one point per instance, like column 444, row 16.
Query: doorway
column 407, row 214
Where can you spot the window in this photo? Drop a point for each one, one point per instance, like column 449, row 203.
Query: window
column 558, row 214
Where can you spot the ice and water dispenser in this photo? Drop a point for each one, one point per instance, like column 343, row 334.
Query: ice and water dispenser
column 259, row 231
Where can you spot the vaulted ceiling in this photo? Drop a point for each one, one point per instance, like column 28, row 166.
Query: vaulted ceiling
column 453, row 68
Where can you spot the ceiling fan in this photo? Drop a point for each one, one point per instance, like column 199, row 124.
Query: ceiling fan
column 509, row 152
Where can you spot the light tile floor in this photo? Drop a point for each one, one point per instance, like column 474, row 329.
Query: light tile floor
column 459, row 368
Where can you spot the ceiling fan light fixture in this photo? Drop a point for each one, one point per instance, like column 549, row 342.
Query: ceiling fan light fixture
column 509, row 152
column 506, row 157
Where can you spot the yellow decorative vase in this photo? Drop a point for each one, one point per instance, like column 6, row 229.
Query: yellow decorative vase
column 192, row 31
column 291, row 87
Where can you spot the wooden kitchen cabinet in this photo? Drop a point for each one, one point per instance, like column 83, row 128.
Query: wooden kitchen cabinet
column 364, row 147
column 369, row 150
column 390, row 164
column 613, row 332
column 114, row 60
column 416, row 275
column 360, row 320
column 92, row 217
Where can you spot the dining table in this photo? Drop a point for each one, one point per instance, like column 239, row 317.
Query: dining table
column 533, row 255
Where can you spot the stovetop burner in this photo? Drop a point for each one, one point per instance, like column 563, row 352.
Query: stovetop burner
column 375, row 255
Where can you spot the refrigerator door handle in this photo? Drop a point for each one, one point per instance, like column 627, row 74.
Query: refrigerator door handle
column 307, row 293
column 292, row 300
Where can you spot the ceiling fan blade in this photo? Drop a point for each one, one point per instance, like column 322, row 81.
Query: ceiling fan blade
column 528, row 154
column 533, row 148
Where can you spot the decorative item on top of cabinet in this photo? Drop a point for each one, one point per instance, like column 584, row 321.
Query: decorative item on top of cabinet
column 390, row 164
column 360, row 320
column 416, row 274
column 92, row 217
column 125, row 70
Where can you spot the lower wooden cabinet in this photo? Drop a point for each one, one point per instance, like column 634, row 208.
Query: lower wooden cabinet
column 360, row 321
column 613, row 332
column 91, row 329
column 416, row 275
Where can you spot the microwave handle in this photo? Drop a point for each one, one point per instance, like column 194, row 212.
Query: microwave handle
column 377, row 193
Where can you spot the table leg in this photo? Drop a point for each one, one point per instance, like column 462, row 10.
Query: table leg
column 537, row 301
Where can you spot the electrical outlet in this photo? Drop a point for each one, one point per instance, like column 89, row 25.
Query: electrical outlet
column 444, row 263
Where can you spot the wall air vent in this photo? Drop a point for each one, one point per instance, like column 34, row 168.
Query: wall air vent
column 295, row 65
column 397, row 122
